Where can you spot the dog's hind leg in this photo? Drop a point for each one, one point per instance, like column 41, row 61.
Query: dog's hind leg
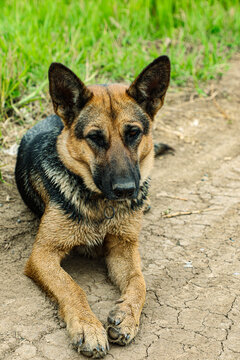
column 52, row 243
column 123, row 261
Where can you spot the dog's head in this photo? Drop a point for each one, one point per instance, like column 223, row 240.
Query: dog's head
column 107, row 137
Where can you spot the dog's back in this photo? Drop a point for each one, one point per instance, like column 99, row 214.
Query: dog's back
column 36, row 146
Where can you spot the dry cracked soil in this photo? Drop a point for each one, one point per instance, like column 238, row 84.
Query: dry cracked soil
column 190, row 259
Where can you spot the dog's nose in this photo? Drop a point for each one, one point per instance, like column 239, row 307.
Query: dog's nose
column 124, row 190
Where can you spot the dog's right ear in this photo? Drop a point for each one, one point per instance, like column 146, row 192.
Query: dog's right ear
column 68, row 92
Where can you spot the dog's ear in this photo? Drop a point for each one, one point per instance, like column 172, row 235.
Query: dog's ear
column 68, row 92
column 150, row 87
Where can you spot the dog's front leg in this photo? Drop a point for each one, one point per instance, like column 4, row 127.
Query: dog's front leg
column 52, row 243
column 123, row 261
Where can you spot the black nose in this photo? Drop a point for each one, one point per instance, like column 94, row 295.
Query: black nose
column 124, row 190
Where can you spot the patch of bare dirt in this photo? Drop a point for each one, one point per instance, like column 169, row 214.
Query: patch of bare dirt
column 191, row 263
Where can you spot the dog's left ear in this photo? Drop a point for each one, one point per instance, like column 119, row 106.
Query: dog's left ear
column 150, row 87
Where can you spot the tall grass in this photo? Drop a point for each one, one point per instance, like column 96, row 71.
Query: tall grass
column 105, row 40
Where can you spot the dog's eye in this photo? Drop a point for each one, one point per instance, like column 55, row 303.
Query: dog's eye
column 97, row 138
column 133, row 133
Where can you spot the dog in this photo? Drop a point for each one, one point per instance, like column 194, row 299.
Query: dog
column 85, row 172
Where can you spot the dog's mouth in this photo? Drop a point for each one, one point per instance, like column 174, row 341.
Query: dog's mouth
column 120, row 197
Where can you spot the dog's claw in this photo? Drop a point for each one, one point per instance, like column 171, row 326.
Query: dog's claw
column 121, row 327
column 80, row 342
column 147, row 209
column 97, row 353
column 116, row 317
column 114, row 321
column 90, row 340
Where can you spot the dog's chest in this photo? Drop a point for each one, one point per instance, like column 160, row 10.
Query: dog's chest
column 92, row 234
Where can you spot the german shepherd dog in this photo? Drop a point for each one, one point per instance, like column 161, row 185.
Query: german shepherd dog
column 85, row 172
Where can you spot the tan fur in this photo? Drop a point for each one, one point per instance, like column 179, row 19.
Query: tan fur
column 37, row 184
column 56, row 237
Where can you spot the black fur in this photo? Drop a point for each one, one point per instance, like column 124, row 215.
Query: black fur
column 68, row 92
column 150, row 87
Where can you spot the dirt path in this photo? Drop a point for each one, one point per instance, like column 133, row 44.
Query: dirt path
column 191, row 263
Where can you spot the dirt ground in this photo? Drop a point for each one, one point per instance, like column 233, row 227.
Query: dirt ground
column 191, row 262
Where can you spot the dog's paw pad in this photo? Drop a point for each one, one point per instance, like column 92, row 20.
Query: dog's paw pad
column 119, row 337
column 121, row 327
column 113, row 334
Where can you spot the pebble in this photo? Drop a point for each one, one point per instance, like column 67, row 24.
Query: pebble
column 188, row 264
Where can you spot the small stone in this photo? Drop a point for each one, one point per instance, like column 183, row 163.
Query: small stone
column 188, row 264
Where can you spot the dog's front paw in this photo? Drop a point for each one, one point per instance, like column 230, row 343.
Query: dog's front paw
column 89, row 338
column 122, row 326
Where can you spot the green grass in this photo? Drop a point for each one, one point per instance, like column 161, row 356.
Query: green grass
column 111, row 41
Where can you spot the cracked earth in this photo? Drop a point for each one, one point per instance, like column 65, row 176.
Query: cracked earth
column 191, row 262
